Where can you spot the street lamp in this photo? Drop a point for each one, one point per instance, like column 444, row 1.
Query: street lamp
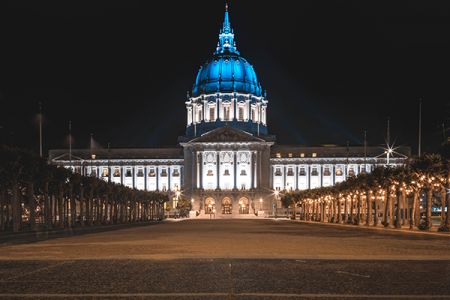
column 277, row 194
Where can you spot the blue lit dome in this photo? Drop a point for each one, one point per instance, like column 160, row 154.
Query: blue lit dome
column 226, row 71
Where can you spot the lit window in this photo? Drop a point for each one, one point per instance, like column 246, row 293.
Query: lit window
column 326, row 171
column 302, row 172
column 314, row 154
column 241, row 114
column 278, row 155
column 290, row 172
column 290, row 155
column 211, row 113
column 302, row 154
column 351, row 172
column 116, row 172
column 278, row 172
column 226, row 113
column 314, row 172
column 152, row 173
column 338, row 171
column 210, row 173
column 175, row 173
column 105, row 172
column 140, row 172
column 128, row 173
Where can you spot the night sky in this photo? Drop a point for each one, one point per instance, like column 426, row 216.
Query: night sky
column 121, row 70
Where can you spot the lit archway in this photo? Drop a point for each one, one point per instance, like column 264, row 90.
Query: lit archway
column 210, row 205
column 226, row 206
column 244, row 207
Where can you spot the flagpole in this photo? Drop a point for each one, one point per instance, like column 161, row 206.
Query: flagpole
column 40, row 128
column 419, row 152
column 70, row 143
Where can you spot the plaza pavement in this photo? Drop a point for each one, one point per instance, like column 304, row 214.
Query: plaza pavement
column 230, row 259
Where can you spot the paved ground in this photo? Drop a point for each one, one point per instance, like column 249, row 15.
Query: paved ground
column 229, row 259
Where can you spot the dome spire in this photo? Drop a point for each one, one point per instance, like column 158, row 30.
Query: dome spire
column 226, row 36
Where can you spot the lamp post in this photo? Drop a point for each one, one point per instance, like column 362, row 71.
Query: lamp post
column 277, row 195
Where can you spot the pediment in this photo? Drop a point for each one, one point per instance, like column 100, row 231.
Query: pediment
column 226, row 134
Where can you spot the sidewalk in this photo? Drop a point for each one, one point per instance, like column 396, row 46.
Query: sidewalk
column 404, row 229
column 8, row 238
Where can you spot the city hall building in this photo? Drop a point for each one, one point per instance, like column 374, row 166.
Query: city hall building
column 227, row 162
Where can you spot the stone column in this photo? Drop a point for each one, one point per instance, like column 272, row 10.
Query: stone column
column 197, row 169
column 168, row 178
column 157, row 177
column 235, row 169
column 252, row 169
column 218, row 169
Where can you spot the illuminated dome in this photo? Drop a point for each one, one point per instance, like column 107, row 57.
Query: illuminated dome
column 226, row 92
column 226, row 71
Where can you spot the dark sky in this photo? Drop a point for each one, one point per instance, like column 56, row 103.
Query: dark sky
column 121, row 69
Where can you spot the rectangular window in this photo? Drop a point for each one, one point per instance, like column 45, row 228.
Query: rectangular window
column 241, row 114
column 226, row 113
column 116, row 172
column 105, row 172
column 163, row 173
column 290, row 172
column 314, row 154
column 302, row 154
column 152, row 173
column 338, row 171
column 314, row 172
column 326, row 171
column 210, row 173
column 277, row 172
column 351, row 172
column 175, row 173
column 212, row 114
column 243, row 173
column 302, row 172
column 140, row 172
column 128, row 172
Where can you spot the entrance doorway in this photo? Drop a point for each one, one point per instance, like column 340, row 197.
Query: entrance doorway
column 226, row 206
column 210, row 206
column 244, row 206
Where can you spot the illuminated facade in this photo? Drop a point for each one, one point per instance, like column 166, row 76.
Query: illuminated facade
column 227, row 162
